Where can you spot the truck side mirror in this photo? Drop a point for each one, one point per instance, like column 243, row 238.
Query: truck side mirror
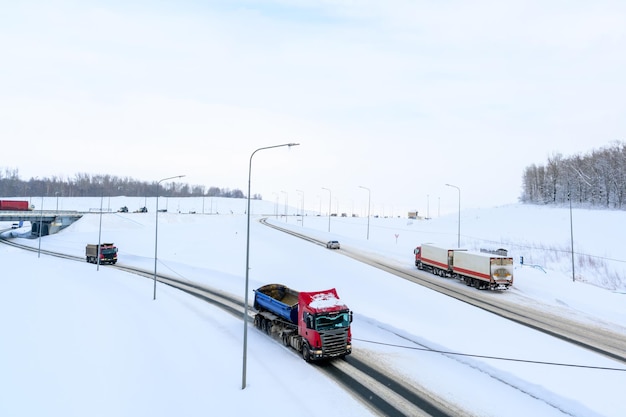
column 350, row 316
column 309, row 322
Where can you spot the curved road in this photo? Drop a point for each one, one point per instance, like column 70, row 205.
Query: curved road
column 596, row 338
column 382, row 392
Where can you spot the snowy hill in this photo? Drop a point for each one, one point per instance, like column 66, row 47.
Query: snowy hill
column 88, row 342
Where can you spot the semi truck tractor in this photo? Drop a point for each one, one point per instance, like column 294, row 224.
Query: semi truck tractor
column 483, row 270
column 108, row 253
column 316, row 324
column 478, row 269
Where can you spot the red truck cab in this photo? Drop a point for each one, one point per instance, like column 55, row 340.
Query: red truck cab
column 324, row 324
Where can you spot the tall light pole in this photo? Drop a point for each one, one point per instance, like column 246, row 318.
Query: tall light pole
column 40, row 226
column 369, row 205
column 571, row 231
column 276, row 206
column 100, row 232
column 302, row 205
column 286, row 202
column 245, row 309
column 156, row 227
column 329, row 205
column 459, row 221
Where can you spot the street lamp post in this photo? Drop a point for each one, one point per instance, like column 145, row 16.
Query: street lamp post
column 571, row 231
column 369, row 201
column 286, row 203
column 302, row 205
column 276, row 206
column 459, row 220
column 245, row 309
column 156, row 228
column 100, row 233
column 329, row 205
column 40, row 226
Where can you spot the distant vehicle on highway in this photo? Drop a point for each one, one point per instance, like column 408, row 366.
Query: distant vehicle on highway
column 332, row 244
column 15, row 205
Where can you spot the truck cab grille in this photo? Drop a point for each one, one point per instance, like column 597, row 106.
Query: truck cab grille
column 334, row 342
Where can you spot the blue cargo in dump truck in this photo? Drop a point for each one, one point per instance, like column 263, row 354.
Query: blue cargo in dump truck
column 278, row 299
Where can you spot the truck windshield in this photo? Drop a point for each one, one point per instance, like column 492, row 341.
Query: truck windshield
column 332, row 321
column 108, row 251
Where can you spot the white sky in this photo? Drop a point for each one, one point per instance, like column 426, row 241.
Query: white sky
column 401, row 97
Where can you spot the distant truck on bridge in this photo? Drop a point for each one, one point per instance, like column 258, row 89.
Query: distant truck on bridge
column 14, row 205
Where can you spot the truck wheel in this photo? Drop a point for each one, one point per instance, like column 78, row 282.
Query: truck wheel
column 306, row 354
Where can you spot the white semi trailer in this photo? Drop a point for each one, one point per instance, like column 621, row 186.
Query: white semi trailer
column 483, row 270
column 477, row 269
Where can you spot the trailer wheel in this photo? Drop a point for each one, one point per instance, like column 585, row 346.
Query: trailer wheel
column 306, row 354
column 285, row 340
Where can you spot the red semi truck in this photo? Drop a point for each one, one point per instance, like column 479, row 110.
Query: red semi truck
column 480, row 270
column 16, row 205
column 316, row 324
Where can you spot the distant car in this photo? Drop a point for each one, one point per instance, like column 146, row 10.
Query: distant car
column 15, row 226
column 332, row 244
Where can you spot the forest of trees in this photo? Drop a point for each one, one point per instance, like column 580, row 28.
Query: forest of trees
column 597, row 179
column 86, row 185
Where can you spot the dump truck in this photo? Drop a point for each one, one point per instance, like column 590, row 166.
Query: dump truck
column 316, row 324
column 107, row 253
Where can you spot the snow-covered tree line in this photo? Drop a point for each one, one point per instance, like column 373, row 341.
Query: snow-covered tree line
column 596, row 179
column 86, row 185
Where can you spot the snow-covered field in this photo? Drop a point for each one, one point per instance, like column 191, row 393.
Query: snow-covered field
column 80, row 341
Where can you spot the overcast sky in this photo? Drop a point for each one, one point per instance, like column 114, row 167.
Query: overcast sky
column 400, row 97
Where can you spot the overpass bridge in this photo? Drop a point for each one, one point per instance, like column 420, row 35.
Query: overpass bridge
column 50, row 221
